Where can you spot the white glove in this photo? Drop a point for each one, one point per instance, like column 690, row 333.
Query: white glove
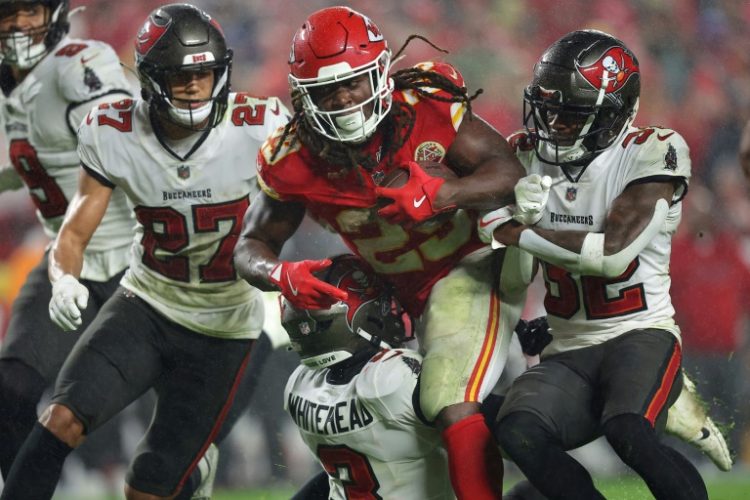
column 69, row 298
column 532, row 193
column 490, row 221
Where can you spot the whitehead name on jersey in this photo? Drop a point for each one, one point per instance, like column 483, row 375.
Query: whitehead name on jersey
column 40, row 120
column 586, row 310
column 366, row 432
column 189, row 213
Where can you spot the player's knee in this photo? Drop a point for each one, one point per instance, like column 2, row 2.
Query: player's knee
column 63, row 423
column 522, row 434
column 455, row 413
column 628, row 433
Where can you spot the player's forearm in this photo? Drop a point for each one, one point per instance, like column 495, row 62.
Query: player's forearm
column 254, row 260
column 66, row 256
column 9, row 179
column 484, row 189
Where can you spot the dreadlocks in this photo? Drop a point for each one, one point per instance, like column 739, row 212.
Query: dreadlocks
column 396, row 127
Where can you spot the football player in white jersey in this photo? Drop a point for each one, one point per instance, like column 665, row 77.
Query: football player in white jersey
column 610, row 195
column 49, row 82
column 355, row 396
column 182, row 322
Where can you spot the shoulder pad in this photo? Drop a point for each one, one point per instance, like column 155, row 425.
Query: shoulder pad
column 87, row 69
column 248, row 109
column 660, row 152
column 289, row 146
column 444, row 69
column 389, row 373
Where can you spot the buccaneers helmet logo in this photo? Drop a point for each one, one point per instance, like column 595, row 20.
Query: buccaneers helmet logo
column 611, row 71
column 151, row 32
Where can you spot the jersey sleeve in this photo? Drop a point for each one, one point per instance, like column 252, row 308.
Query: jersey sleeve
column 457, row 110
column 664, row 154
column 388, row 384
column 89, row 69
column 88, row 150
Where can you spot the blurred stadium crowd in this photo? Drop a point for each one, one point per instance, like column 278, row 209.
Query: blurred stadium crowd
column 695, row 62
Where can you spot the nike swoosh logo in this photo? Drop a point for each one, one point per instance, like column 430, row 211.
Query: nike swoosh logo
column 485, row 224
column 84, row 61
column 664, row 137
column 418, row 202
column 277, row 110
column 295, row 291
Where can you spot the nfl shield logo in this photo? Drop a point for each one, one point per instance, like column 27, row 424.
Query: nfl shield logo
column 183, row 172
column 304, row 328
column 571, row 193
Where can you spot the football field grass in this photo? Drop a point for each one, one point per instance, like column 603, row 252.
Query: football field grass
column 728, row 487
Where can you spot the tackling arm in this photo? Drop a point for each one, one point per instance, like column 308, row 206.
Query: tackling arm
column 83, row 217
column 635, row 217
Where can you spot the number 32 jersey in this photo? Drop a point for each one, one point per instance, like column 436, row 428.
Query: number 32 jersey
column 189, row 213
column 588, row 310
column 366, row 433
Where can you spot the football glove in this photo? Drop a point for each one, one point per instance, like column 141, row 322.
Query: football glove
column 69, row 298
column 414, row 201
column 301, row 288
column 532, row 193
column 533, row 335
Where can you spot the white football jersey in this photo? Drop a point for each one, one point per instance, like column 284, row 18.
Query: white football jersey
column 189, row 213
column 36, row 115
column 587, row 310
column 367, row 434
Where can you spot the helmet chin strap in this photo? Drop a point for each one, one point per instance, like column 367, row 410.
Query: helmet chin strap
column 372, row 339
column 354, row 125
column 189, row 116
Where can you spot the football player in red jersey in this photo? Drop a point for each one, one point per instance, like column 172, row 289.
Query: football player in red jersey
column 355, row 123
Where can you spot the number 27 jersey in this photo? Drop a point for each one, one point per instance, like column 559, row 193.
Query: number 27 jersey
column 189, row 212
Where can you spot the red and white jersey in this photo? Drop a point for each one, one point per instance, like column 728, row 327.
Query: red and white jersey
column 189, row 213
column 366, row 433
column 40, row 116
column 344, row 199
column 587, row 310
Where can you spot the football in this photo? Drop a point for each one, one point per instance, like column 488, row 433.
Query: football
column 399, row 176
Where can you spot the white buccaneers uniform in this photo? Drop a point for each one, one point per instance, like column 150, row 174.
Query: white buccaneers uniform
column 189, row 213
column 366, row 433
column 40, row 117
column 586, row 310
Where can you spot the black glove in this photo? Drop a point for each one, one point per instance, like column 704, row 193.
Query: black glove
column 533, row 335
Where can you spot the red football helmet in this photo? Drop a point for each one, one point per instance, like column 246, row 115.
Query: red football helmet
column 335, row 44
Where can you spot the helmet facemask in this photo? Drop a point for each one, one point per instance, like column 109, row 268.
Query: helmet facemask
column 356, row 123
column 24, row 49
column 590, row 129
column 157, row 91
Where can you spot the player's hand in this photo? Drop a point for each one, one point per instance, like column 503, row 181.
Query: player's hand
column 69, row 298
column 490, row 221
column 413, row 202
column 533, row 335
column 301, row 288
column 532, row 193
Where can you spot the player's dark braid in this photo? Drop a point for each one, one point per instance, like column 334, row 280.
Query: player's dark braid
column 396, row 127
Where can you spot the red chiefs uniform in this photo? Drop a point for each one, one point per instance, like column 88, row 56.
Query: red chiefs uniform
column 344, row 199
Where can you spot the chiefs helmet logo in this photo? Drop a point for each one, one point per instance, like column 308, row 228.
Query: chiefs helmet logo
column 373, row 33
column 151, row 32
column 611, row 71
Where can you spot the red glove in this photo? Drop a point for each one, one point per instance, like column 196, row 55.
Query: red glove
column 301, row 288
column 414, row 201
